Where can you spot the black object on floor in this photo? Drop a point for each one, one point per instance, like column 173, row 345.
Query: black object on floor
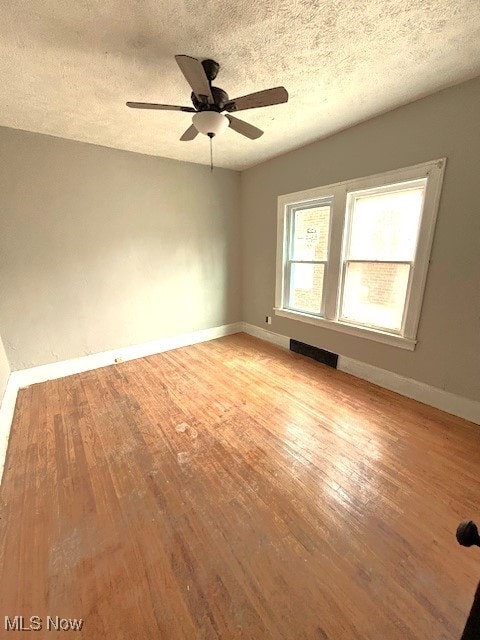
column 467, row 536
column 472, row 628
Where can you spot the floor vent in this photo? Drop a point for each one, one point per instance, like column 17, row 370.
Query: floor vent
column 325, row 357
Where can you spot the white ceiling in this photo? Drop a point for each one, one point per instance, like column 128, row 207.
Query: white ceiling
column 67, row 67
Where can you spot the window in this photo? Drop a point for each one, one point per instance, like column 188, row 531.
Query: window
column 308, row 256
column 354, row 256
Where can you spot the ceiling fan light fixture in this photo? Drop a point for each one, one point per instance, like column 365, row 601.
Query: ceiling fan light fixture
column 209, row 102
column 210, row 123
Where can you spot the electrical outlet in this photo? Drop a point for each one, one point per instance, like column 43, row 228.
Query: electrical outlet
column 268, row 320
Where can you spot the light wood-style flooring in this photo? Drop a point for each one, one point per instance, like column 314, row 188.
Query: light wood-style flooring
column 233, row 489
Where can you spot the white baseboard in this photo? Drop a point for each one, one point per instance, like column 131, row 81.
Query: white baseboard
column 433, row 396
column 438, row 398
column 268, row 336
column 26, row 377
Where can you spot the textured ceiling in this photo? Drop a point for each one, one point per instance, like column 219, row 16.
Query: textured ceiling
column 67, row 68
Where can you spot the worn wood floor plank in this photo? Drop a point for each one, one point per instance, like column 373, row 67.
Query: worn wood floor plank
column 236, row 490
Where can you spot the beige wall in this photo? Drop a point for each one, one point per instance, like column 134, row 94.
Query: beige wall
column 4, row 370
column 102, row 248
column 445, row 124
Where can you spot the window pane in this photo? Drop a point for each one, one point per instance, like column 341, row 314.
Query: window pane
column 385, row 226
column 306, row 287
column 374, row 293
column 310, row 233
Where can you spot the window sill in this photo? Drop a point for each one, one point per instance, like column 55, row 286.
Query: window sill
column 342, row 327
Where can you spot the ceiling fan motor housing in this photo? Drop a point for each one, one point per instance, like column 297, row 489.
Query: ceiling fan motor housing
column 220, row 98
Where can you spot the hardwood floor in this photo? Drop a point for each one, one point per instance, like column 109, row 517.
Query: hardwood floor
column 236, row 490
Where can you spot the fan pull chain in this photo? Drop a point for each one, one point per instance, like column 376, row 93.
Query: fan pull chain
column 211, row 155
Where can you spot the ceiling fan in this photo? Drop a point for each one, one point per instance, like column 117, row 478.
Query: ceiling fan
column 210, row 102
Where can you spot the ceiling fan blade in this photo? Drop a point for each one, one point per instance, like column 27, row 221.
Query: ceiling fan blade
column 189, row 134
column 196, row 77
column 245, row 128
column 265, row 98
column 161, row 107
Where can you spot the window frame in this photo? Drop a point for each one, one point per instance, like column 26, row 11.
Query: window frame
column 289, row 259
column 350, row 206
column 338, row 193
